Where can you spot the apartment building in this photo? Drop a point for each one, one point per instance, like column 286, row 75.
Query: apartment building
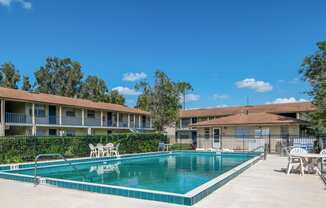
column 270, row 119
column 26, row 113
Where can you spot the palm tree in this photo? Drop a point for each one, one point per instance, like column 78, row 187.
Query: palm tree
column 183, row 87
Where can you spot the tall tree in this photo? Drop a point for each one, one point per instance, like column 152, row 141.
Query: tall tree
column 116, row 98
column 94, row 88
column 142, row 100
column 10, row 76
column 313, row 70
column 26, row 84
column 183, row 87
column 162, row 100
column 59, row 77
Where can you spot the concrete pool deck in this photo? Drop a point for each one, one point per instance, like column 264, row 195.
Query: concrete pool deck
column 262, row 185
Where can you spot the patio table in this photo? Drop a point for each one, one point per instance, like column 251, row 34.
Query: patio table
column 311, row 161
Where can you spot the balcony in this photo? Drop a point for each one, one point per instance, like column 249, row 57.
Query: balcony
column 71, row 121
column 147, row 125
column 123, row 124
column 17, row 118
column 47, row 120
column 111, row 124
column 92, row 122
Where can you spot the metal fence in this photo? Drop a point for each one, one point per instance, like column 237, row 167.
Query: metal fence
column 275, row 143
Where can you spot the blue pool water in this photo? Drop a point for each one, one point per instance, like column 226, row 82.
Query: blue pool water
column 176, row 173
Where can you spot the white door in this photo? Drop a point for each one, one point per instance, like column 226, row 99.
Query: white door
column 216, row 138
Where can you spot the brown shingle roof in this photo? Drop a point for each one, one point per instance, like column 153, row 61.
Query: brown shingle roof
column 269, row 108
column 251, row 119
column 61, row 100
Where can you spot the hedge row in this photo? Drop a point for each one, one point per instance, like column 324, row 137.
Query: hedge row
column 23, row 148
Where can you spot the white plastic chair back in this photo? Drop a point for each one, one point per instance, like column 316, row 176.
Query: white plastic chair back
column 109, row 146
column 298, row 150
column 91, row 146
column 99, row 146
column 117, row 146
column 323, row 152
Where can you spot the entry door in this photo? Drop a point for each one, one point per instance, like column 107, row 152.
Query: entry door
column 216, row 138
column 52, row 114
column 194, row 138
column 109, row 118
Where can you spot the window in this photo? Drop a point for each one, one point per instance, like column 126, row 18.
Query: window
column 241, row 132
column 206, row 133
column 52, row 132
column 184, row 135
column 185, row 122
column 284, row 132
column 70, row 113
column 194, row 120
column 262, row 132
column 216, row 135
column 90, row 114
column 70, row 132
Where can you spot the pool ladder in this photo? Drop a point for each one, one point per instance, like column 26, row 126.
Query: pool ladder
column 37, row 180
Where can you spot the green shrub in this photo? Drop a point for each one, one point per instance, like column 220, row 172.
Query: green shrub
column 23, row 148
column 181, row 147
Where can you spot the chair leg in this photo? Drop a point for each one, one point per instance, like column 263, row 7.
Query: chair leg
column 301, row 166
column 289, row 167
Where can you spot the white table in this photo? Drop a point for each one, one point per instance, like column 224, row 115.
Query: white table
column 310, row 160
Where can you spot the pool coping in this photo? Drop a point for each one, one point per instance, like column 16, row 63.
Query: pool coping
column 189, row 198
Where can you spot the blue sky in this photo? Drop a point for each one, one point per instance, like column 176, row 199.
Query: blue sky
column 228, row 50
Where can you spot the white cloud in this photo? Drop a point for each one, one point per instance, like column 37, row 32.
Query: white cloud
column 221, row 106
column 23, row 3
column 220, row 97
column 126, row 91
column 192, row 97
column 251, row 83
column 131, row 77
column 287, row 100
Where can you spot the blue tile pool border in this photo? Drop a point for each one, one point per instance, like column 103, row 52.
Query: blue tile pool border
column 188, row 199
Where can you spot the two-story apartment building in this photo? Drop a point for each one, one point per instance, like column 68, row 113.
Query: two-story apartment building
column 26, row 113
column 270, row 119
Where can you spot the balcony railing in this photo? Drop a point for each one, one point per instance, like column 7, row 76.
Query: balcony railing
column 93, row 122
column 132, row 124
column 123, row 124
column 47, row 120
column 147, row 125
column 17, row 118
column 111, row 124
column 74, row 121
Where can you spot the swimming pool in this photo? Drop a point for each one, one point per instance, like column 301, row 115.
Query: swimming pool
column 175, row 177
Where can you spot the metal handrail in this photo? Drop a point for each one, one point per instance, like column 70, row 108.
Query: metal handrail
column 36, row 181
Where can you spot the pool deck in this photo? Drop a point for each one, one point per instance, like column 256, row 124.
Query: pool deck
column 262, row 185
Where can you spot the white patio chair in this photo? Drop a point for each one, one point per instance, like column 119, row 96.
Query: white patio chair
column 100, row 150
column 115, row 150
column 93, row 152
column 109, row 147
column 296, row 160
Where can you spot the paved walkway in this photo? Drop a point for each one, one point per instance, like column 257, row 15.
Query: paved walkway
column 261, row 186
